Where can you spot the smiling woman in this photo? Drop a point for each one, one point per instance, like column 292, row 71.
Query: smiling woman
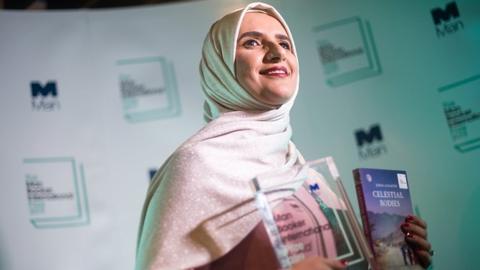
column 199, row 211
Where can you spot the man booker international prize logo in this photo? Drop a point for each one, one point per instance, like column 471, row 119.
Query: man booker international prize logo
column 461, row 106
column 56, row 192
column 44, row 96
column 447, row 21
column 347, row 51
column 370, row 142
column 148, row 89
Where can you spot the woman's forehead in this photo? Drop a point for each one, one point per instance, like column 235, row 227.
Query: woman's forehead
column 261, row 22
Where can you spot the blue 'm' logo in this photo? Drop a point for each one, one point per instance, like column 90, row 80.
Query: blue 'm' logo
column 314, row 187
column 50, row 88
column 450, row 11
column 374, row 134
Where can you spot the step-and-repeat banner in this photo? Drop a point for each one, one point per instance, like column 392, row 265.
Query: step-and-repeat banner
column 92, row 103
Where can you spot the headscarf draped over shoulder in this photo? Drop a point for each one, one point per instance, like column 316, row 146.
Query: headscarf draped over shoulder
column 199, row 205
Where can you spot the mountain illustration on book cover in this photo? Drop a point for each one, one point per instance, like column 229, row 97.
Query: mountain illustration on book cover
column 384, row 200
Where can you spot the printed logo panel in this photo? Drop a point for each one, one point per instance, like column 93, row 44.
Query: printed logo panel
column 56, row 192
column 402, row 181
column 148, row 89
column 447, row 20
column 370, row 142
column 44, row 96
column 461, row 106
column 347, row 51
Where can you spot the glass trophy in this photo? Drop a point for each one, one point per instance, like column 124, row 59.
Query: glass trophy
column 306, row 212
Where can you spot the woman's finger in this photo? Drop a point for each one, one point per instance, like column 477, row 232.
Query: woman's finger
column 417, row 242
column 416, row 220
column 424, row 258
column 336, row 264
column 318, row 263
column 414, row 229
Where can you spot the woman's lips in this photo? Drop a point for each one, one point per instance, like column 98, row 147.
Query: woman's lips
column 280, row 72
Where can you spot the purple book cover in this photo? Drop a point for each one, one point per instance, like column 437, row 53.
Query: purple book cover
column 384, row 200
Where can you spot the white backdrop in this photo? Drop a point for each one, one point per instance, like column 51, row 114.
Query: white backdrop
column 92, row 101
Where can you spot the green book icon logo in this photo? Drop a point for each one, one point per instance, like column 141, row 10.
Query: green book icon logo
column 347, row 51
column 56, row 192
column 148, row 89
column 461, row 106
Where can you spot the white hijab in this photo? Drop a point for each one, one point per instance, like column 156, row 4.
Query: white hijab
column 199, row 205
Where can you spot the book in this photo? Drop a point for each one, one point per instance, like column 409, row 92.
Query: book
column 384, row 202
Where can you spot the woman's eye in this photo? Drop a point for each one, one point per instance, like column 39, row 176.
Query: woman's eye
column 285, row 45
column 251, row 43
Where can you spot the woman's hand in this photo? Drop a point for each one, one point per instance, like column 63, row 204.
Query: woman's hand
column 415, row 230
column 318, row 263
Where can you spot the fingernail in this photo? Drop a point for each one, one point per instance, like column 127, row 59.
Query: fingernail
column 405, row 225
column 409, row 218
column 344, row 262
column 409, row 235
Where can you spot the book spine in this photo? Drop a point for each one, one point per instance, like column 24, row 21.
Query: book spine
column 363, row 209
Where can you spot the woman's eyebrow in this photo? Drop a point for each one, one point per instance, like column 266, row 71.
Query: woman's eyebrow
column 254, row 34
column 282, row 37
column 257, row 34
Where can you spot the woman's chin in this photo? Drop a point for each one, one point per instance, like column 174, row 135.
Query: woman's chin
column 278, row 96
column 276, row 100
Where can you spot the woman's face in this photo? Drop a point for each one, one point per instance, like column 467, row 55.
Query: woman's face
column 264, row 62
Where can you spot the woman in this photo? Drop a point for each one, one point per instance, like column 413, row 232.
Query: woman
column 199, row 211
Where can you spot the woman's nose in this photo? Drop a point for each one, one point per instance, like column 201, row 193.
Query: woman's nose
column 275, row 53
